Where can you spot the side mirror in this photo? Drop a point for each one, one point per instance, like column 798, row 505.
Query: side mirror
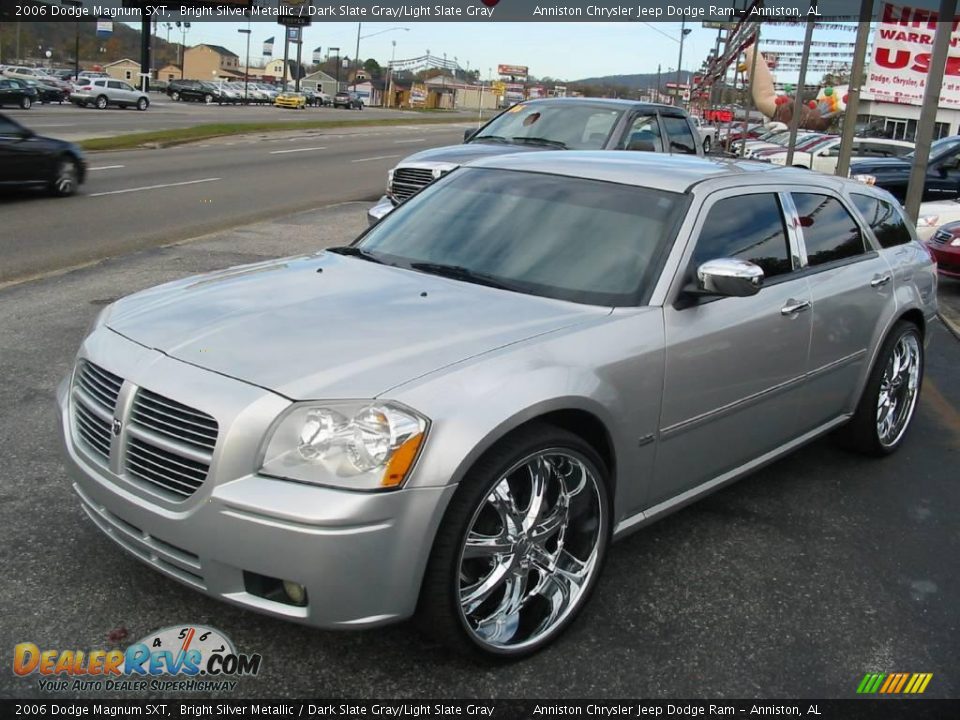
column 729, row 277
column 467, row 134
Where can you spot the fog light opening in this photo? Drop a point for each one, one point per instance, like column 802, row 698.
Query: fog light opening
column 286, row 592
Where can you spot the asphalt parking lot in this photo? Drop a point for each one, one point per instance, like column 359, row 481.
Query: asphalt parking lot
column 793, row 582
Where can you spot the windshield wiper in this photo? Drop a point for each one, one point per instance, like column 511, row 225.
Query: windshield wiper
column 458, row 272
column 547, row 142
column 352, row 251
column 494, row 138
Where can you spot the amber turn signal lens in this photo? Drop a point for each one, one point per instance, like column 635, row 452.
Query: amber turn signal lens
column 401, row 461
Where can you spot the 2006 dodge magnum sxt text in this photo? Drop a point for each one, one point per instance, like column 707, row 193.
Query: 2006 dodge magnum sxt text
column 453, row 417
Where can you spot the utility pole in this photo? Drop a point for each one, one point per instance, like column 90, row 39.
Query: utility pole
column 286, row 56
column 658, row 83
column 296, row 70
column 246, row 72
column 356, row 60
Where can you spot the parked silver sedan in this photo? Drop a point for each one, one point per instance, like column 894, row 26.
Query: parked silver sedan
column 454, row 416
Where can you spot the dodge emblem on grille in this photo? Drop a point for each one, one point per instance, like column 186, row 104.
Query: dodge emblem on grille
column 117, row 424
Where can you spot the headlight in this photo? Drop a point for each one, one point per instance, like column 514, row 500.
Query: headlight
column 955, row 242
column 927, row 220
column 356, row 445
column 867, row 179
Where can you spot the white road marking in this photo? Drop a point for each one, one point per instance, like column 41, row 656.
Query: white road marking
column 404, row 142
column 153, row 187
column 107, row 167
column 284, row 152
column 378, row 157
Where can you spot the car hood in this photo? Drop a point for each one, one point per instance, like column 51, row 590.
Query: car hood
column 327, row 326
column 460, row 154
column 872, row 165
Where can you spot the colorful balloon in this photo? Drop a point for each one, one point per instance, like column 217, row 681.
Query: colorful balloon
column 812, row 104
column 828, row 91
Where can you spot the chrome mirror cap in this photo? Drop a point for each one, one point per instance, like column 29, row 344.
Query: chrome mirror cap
column 729, row 277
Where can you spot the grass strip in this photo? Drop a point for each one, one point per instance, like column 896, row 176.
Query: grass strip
column 178, row 136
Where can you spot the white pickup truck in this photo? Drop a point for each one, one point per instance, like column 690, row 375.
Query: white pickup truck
column 708, row 134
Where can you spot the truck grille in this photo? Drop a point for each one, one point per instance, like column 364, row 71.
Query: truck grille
column 171, row 445
column 167, row 444
column 941, row 237
column 409, row 181
column 95, row 393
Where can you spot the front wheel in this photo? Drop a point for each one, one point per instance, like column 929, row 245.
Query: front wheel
column 520, row 547
column 174, row 96
column 208, row 99
column 889, row 399
column 65, row 178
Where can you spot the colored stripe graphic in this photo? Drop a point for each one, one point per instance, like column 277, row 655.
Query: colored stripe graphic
column 894, row 683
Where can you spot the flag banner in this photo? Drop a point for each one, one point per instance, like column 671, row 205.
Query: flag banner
column 317, row 55
column 268, row 47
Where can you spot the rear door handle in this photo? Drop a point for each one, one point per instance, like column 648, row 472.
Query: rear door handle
column 794, row 306
column 880, row 281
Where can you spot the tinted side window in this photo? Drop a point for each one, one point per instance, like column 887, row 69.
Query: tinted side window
column 643, row 135
column 749, row 227
column 828, row 230
column 887, row 224
column 678, row 132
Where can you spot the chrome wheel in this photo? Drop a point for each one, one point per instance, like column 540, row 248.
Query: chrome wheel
column 899, row 386
column 531, row 550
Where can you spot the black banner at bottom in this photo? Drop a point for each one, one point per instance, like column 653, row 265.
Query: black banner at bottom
column 875, row 709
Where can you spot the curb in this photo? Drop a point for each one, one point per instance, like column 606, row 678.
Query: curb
column 950, row 320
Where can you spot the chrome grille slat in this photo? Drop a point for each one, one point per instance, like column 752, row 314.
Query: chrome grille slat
column 96, row 393
column 165, row 443
column 941, row 236
column 91, row 405
column 158, row 478
column 148, row 405
column 92, row 439
column 143, row 448
column 173, row 430
column 109, row 379
column 173, row 405
column 185, row 479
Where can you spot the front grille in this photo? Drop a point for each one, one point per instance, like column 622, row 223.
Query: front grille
column 95, row 393
column 409, row 181
column 941, row 237
column 170, row 444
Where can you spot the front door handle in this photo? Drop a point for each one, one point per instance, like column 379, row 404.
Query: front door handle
column 794, row 306
column 880, row 281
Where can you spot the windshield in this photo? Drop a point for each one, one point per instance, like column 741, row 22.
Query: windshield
column 580, row 240
column 943, row 146
column 561, row 126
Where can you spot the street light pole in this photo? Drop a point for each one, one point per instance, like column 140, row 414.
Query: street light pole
column 356, row 58
column 246, row 72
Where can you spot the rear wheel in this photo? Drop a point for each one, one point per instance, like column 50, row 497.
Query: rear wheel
column 25, row 102
column 889, row 399
column 102, row 102
column 520, row 547
column 65, row 178
column 208, row 98
column 174, row 95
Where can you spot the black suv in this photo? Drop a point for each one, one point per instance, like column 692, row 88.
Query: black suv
column 194, row 90
column 348, row 100
column 893, row 174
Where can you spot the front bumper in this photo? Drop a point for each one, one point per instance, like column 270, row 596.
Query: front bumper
column 294, row 104
column 360, row 556
column 385, row 205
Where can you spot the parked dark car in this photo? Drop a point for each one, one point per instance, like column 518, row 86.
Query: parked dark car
column 47, row 93
column 17, row 92
column 893, row 174
column 348, row 100
column 30, row 160
column 184, row 90
column 548, row 124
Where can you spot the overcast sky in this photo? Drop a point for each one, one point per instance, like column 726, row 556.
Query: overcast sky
column 569, row 51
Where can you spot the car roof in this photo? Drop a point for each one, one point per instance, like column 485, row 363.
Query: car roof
column 617, row 103
column 674, row 173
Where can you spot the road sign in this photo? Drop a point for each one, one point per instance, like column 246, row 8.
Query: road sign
column 294, row 13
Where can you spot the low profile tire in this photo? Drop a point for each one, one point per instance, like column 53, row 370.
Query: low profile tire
column 25, row 103
column 520, row 546
column 706, row 145
column 143, row 104
column 65, row 178
column 102, row 102
column 889, row 399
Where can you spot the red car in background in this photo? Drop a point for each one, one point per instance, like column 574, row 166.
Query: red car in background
column 945, row 247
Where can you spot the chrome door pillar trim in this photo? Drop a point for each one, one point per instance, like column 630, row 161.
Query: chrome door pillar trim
column 798, row 251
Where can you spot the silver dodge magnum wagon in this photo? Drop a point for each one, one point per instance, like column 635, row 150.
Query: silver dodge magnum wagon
column 454, row 416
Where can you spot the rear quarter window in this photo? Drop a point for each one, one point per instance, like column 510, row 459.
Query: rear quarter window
column 884, row 219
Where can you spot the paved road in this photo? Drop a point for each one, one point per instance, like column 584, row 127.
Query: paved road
column 74, row 123
column 142, row 198
column 793, row 582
